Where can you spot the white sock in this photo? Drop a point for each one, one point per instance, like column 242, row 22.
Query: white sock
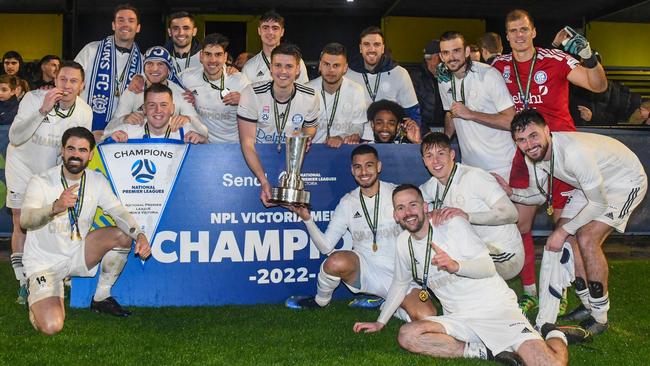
column 475, row 350
column 530, row 290
column 584, row 297
column 17, row 265
column 599, row 307
column 325, row 287
column 557, row 334
column 112, row 265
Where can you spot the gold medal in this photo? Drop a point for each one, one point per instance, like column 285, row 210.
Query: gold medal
column 77, row 236
column 424, row 295
column 117, row 92
column 549, row 210
column 374, row 246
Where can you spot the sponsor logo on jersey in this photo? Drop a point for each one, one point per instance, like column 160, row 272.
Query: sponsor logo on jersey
column 356, row 215
column 506, row 73
column 297, row 119
column 266, row 110
column 541, row 77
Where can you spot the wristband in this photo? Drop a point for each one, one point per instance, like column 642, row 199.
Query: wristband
column 591, row 62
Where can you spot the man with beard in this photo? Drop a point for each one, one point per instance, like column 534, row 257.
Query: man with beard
column 48, row 67
column 158, row 110
column 158, row 68
column 365, row 213
column 426, row 88
column 270, row 30
column 343, row 102
column 479, row 107
column 115, row 60
column 34, row 138
column 612, row 183
column 58, row 212
column 182, row 45
column 216, row 94
column 539, row 78
column 390, row 125
column 460, row 190
column 481, row 318
column 381, row 76
column 266, row 107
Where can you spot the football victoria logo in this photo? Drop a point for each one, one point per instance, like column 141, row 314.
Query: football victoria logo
column 143, row 170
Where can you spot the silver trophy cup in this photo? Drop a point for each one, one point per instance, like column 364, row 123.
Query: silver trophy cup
column 292, row 189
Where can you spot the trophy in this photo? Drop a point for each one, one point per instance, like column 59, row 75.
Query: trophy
column 292, row 189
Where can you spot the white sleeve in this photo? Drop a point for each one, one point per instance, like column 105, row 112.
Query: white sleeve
column 335, row 229
column 529, row 196
column 498, row 90
column 596, row 206
column 360, row 107
column 444, row 96
column 85, row 56
column 35, row 212
column 303, row 78
column 501, row 210
column 127, row 104
column 27, row 120
column 406, row 97
column 247, row 108
column 427, row 188
column 401, row 282
column 186, row 109
column 311, row 119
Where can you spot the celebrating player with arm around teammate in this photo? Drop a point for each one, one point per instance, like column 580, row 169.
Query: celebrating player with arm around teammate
column 365, row 212
column 459, row 190
column 481, row 318
column 612, row 183
column 57, row 213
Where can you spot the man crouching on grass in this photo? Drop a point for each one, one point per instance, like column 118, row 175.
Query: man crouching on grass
column 57, row 213
column 481, row 316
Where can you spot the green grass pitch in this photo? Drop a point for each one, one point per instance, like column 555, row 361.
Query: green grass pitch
column 275, row 335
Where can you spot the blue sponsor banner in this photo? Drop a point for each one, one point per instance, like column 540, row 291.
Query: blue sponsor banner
column 216, row 244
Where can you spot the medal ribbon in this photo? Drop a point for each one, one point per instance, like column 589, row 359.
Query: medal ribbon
column 123, row 74
column 525, row 96
column 279, row 125
column 438, row 202
column 548, row 194
column 74, row 212
column 147, row 134
column 330, row 120
column 427, row 262
column 187, row 61
column 462, row 89
column 373, row 226
column 223, row 82
column 373, row 94
column 58, row 112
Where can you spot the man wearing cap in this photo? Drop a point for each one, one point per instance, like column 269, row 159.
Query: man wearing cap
column 158, row 68
column 426, row 88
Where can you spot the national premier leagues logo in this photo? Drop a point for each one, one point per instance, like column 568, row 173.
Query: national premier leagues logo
column 143, row 170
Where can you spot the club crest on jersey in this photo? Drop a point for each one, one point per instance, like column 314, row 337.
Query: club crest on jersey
column 266, row 110
column 541, row 77
column 506, row 73
column 297, row 119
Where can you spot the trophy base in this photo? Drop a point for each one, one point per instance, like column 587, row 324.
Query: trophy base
column 289, row 197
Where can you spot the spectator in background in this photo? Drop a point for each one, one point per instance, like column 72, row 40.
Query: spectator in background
column 425, row 84
column 13, row 64
column 491, row 46
column 474, row 52
column 8, row 101
column 613, row 106
column 48, row 66
column 241, row 60
column 641, row 115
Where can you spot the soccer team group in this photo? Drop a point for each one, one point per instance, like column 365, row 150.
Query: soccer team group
column 457, row 237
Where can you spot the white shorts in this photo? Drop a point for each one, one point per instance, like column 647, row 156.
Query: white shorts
column 49, row 282
column 374, row 279
column 621, row 204
column 500, row 330
column 508, row 263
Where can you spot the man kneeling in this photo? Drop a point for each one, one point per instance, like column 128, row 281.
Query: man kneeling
column 57, row 213
column 481, row 316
